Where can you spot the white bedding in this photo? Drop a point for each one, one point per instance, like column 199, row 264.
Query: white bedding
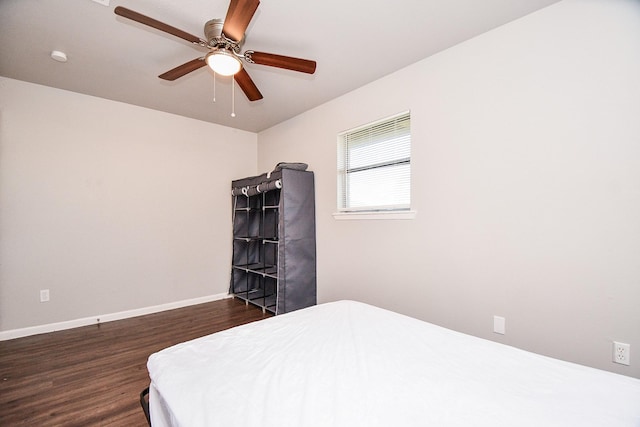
column 351, row 364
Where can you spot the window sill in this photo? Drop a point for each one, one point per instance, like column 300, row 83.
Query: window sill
column 340, row 216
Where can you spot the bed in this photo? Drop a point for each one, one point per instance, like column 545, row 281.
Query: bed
column 351, row 364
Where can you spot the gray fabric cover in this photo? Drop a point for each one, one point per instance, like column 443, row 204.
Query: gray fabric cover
column 286, row 165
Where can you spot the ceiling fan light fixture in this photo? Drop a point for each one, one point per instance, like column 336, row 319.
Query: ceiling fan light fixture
column 223, row 62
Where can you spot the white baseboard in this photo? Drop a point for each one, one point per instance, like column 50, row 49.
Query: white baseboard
column 94, row 320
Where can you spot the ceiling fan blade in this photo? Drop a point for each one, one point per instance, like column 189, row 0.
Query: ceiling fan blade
column 280, row 61
column 138, row 17
column 247, row 85
column 238, row 17
column 183, row 69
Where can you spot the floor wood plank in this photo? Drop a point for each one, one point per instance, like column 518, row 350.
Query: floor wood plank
column 92, row 376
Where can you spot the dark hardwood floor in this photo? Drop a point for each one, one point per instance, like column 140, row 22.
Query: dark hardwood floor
column 92, row 376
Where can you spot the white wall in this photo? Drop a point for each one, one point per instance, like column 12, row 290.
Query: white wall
column 109, row 206
column 526, row 179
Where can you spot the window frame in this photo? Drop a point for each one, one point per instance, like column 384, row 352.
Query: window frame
column 387, row 211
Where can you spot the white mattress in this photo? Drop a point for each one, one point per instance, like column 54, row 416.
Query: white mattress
column 351, row 364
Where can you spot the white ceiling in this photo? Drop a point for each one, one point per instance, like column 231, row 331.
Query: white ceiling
column 353, row 41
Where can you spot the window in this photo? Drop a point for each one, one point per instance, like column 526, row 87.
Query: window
column 374, row 166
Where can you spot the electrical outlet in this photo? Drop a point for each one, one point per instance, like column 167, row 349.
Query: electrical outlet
column 621, row 353
column 44, row 295
column 499, row 324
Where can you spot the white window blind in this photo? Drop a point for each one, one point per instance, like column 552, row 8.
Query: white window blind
column 374, row 166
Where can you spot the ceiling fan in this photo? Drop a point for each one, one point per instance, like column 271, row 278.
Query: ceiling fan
column 224, row 39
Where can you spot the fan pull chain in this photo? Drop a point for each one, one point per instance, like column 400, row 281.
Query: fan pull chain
column 233, row 97
column 214, row 86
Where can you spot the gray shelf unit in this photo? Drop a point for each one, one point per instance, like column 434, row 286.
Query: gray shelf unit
column 274, row 240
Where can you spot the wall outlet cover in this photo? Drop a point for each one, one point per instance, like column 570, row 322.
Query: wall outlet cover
column 499, row 325
column 621, row 353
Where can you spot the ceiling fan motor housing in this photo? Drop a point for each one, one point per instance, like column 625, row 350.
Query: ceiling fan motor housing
column 215, row 38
